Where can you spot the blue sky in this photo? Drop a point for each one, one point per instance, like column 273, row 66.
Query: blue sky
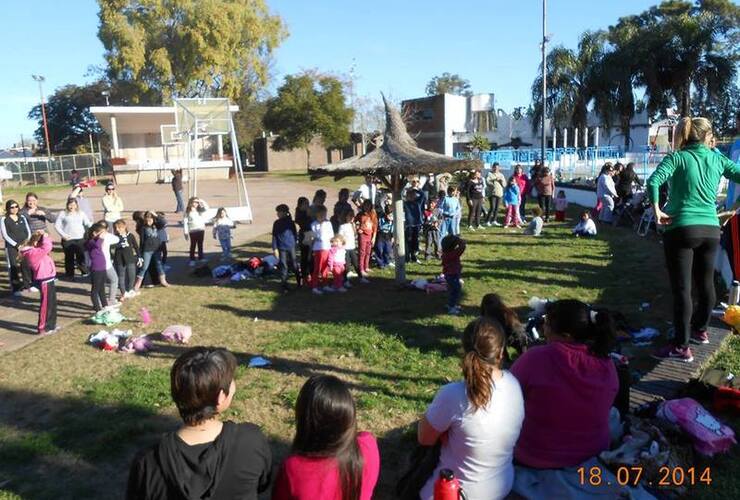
column 395, row 46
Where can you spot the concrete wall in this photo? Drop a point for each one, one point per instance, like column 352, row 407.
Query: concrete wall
column 269, row 160
column 425, row 121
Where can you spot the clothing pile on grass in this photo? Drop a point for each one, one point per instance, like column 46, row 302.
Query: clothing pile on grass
column 124, row 341
column 253, row 267
column 431, row 285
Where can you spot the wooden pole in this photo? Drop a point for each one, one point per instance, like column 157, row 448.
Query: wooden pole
column 400, row 241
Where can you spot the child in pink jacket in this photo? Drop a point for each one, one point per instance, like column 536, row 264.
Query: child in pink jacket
column 337, row 264
column 35, row 252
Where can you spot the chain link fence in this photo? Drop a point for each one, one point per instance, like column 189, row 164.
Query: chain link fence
column 56, row 170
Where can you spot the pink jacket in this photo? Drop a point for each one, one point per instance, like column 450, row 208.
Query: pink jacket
column 337, row 257
column 39, row 260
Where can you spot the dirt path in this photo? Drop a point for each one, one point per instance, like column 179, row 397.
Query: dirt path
column 18, row 316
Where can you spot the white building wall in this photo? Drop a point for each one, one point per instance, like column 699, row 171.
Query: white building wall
column 456, row 119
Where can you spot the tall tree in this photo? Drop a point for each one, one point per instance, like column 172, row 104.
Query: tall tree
column 572, row 81
column 447, row 83
column 723, row 110
column 679, row 46
column 187, row 48
column 69, row 119
column 306, row 106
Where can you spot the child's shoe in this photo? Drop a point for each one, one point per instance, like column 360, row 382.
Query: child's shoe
column 317, row 291
column 192, row 263
column 364, row 280
column 329, row 289
column 341, row 289
column 673, row 352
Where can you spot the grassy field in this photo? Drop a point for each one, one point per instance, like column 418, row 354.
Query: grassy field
column 71, row 417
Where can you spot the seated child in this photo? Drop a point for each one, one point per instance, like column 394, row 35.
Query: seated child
column 534, row 227
column 561, row 205
column 586, row 228
column 516, row 338
column 337, row 264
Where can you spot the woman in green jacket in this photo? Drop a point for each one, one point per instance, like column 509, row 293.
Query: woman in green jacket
column 691, row 238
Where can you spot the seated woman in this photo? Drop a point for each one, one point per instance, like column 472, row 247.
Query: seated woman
column 477, row 419
column 569, row 387
column 205, row 458
column 330, row 459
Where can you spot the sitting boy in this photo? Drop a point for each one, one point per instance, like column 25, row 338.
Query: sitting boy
column 534, row 227
column 586, row 227
column 205, row 458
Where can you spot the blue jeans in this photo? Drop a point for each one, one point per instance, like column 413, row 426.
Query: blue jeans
column 385, row 250
column 447, row 227
column 149, row 259
column 453, row 289
column 180, row 202
column 226, row 247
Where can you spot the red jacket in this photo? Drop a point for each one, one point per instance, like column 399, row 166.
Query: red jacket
column 451, row 264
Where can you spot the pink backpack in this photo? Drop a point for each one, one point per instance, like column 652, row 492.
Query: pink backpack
column 708, row 434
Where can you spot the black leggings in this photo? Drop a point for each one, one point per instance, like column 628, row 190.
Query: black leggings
column 545, row 202
column 196, row 239
column 690, row 253
column 476, row 205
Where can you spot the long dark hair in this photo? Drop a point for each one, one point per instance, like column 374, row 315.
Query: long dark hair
column 484, row 342
column 578, row 321
column 491, row 306
column 326, row 427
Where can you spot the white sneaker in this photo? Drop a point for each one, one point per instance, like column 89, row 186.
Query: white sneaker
column 496, row 224
column 489, row 224
column 391, row 264
column 33, row 289
column 191, row 263
column 351, row 274
column 471, row 228
column 316, row 291
column 340, row 290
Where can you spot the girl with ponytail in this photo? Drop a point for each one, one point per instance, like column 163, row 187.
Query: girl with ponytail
column 692, row 229
column 569, row 387
column 477, row 419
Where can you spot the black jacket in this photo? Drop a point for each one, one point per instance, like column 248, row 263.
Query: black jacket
column 126, row 250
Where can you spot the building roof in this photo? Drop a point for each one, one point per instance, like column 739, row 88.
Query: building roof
column 138, row 119
column 398, row 155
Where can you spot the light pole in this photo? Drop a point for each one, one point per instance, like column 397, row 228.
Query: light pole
column 40, row 79
column 544, row 77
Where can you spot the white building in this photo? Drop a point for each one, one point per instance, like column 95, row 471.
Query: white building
column 138, row 153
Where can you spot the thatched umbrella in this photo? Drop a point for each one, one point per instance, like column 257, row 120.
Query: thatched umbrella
column 393, row 162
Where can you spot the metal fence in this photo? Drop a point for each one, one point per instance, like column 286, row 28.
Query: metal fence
column 55, row 170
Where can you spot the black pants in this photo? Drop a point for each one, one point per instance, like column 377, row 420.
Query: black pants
column 690, row 253
column 522, row 208
column 74, row 256
column 97, row 293
column 412, row 242
column 545, row 203
column 19, row 273
column 163, row 252
column 127, row 276
column 354, row 259
column 431, row 241
column 306, row 261
column 288, row 264
column 476, row 205
column 493, row 205
column 196, row 239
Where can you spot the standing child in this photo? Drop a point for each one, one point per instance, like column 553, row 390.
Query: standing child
column 348, row 231
column 35, row 251
column 163, row 238
column 561, row 205
column 511, row 202
column 452, row 249
column 322, row 235
column 337, row 264
column 194, row 227
column 385, row 239
column 431, row 230
column 451, row 211
column 149, row 245
column 283, row 244
column 586, row 228
column 126, row 258
column 222, row 227
column 367, row 228
column 96, row 250
column 534, row 228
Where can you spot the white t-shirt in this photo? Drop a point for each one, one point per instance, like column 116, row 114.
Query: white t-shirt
column 108, row 240
column 480, row 445
column 347, row 231
column 323, row 233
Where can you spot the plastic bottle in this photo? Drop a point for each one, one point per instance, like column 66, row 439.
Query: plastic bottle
column 447, row 487
column 734, row 293
column 144, row 315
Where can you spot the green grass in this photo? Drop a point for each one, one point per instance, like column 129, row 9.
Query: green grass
column 71, row 417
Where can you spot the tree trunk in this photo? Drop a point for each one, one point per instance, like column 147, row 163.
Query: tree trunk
column 400, row 241
column 308, row 158
column 686, row 99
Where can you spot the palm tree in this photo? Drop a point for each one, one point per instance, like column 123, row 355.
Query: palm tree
column 571, row 81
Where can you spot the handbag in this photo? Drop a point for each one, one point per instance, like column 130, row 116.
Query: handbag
column 422, row 462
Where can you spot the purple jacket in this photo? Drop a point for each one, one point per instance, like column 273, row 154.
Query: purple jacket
column 94, row 247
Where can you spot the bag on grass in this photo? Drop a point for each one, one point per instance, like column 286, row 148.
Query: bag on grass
column 708, row 434
column 179, row 334
column 107, row 318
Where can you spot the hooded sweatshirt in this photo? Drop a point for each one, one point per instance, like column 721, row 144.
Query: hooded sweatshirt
column 568, row 393
column 236, row 465
column 38, row 260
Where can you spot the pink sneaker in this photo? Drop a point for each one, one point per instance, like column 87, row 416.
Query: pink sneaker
column 700, row 337
column 673, row 352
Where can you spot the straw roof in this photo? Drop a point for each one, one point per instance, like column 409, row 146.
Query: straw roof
column 398, row 154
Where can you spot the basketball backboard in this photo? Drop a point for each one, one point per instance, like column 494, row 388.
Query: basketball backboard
column 208, row 116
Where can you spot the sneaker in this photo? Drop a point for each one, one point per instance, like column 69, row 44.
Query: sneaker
column 17, row 293
column 191, row 263
column 454, row 311
column 317, row 291
column 351, row 274
column 391, row 264
column 700, row 337
column 496, row 224
column 471, row 228
column 364, row 280
column 489, row 224
column 672, row 352
column 341, row 289
column 33, row 289
column 45, row 333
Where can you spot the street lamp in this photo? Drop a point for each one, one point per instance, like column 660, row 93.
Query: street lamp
column 40, row 79
column 106, row 94
column 544, row 78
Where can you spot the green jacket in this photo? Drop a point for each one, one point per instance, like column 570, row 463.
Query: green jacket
column 694, row 174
